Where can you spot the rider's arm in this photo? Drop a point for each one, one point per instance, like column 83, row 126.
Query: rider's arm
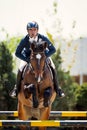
column 50, row 49
column 21, row 51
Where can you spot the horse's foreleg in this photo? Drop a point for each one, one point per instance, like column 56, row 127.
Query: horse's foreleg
column 32, row 89
column 21, row 114
column 47, row 95
column 45, row 113
column 42, row 128
column 20, row 111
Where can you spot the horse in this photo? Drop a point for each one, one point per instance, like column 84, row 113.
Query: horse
column 37, row 88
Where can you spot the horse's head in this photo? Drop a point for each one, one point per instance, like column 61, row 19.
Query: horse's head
column 38, row 59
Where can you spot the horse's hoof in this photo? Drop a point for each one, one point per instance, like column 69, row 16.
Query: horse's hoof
column 35, row 105
column 46, row 103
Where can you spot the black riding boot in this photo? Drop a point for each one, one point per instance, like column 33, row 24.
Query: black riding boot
column 56, row 84
column 15, row 91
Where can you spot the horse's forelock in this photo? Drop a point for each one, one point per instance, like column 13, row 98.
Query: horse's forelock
column 38, row 46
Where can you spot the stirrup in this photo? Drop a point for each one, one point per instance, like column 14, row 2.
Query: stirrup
column 60, row 93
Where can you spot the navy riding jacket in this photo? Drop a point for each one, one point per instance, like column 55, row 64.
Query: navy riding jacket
column 23, row 50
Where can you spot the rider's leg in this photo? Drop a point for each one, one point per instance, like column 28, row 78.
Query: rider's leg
column 56, row 84
column 16, row 90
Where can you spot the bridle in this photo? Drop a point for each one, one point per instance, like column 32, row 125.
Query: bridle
column 38, row 56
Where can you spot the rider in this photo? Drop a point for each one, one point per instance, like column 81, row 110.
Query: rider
column 23, row 52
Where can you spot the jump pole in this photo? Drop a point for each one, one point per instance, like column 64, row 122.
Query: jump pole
column 52, row 113
column 39, row 123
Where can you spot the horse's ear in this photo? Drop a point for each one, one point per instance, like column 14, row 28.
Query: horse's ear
column 45, row 44
column 32, row 46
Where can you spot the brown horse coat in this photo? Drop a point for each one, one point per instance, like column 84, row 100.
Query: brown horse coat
column 37, row 78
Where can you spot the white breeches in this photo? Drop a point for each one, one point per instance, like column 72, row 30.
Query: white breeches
column 22, row 64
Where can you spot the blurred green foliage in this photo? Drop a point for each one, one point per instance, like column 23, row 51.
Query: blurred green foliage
column 7, row 78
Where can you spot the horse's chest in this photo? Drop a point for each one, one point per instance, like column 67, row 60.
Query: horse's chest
column 29, row 78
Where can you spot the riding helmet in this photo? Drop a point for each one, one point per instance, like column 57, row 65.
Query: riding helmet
column 32, row 25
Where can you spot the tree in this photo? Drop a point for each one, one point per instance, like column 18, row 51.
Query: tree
column 81, row 97
column 7, row 78
column 67, row 84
